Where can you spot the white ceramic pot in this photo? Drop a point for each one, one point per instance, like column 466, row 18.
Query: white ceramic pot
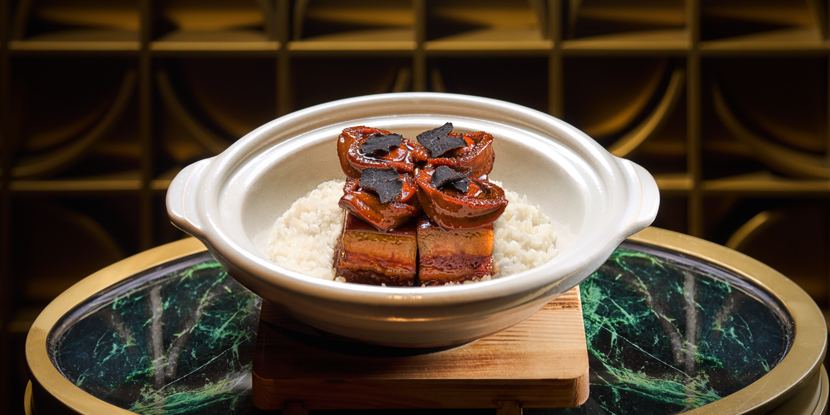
column 231, row 201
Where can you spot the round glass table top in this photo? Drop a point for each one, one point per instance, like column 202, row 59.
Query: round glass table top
column 667, row 332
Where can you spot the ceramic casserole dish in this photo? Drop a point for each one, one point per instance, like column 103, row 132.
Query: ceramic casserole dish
column 231, row 201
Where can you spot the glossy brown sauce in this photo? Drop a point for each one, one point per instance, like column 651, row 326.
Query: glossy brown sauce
column 453, row 239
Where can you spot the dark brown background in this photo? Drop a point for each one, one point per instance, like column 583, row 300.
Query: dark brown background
column 103, row 101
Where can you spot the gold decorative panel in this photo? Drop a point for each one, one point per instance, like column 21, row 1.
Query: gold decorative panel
column 103, row 101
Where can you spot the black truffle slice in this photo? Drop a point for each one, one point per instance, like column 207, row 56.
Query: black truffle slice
column 383, row 181
column 380, row 144
column 437, row 142
column 445, row 176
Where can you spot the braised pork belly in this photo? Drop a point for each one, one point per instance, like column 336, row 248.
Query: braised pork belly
column 419, row 212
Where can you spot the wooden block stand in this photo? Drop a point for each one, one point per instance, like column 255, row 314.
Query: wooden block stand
column 541, row 362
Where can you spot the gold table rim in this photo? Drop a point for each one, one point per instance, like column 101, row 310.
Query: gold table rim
column 805, row 357
column 784, row 381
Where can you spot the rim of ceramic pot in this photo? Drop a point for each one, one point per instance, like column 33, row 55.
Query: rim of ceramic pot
column 623, row 185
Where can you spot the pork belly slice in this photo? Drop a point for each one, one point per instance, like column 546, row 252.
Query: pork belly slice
column 367, row 255
column 453, row 255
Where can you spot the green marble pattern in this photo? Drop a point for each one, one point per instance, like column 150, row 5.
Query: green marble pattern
column 665, row 333
column 671, row 335
column 178, row 341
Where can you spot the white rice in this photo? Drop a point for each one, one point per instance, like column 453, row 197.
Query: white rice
column 524, row 237
column 304, row 238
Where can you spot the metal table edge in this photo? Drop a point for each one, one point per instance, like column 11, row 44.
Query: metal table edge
column 789, row 378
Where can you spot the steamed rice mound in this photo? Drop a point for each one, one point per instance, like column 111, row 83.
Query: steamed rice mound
column 524, row 237
column 304, row 238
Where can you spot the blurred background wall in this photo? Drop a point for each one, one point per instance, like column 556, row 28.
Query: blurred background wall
column 103, row 101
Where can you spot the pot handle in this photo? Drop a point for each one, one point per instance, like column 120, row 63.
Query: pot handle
column 649, row 199
column 181, row 198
